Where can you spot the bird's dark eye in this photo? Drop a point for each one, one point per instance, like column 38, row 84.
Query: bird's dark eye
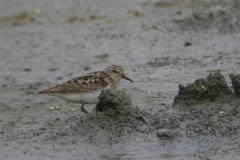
column 114, row 71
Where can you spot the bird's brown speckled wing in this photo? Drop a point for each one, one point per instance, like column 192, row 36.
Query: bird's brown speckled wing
column 86, row 83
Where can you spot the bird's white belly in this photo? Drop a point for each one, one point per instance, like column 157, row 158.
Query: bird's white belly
column 86, row 98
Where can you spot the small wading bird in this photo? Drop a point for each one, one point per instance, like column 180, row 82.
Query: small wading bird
column 86, row 88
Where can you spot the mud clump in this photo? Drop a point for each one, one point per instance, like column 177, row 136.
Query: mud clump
column 115, row 103
column 208, row 107
column 115, row 119
column 214, row 87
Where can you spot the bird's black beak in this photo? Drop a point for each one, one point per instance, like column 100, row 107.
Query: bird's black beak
column 125, row 77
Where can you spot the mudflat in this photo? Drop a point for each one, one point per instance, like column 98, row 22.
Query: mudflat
column 180, row 53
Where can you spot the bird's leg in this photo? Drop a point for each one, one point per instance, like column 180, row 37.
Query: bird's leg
column 83, row 109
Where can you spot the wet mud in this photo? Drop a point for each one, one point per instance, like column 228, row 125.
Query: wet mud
column 183, row 56
column 203, row 119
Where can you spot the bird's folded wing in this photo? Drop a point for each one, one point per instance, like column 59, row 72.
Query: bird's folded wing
column 85, row 83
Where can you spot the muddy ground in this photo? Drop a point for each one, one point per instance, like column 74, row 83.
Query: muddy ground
column 159, row 43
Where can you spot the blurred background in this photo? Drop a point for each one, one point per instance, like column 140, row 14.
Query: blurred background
column 160, row 43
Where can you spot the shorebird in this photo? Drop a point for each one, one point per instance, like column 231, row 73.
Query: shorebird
column 86, row 88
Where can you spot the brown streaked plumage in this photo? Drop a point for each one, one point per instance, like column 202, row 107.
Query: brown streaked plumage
column 86, row 88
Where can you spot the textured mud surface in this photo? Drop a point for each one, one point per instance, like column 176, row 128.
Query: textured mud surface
column 160, row 44
column 116, row 128
column 213, row 88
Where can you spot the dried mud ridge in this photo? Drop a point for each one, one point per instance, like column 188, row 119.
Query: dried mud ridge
column 205, row 107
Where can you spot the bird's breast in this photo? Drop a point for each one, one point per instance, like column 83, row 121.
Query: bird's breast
column 85, row 97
